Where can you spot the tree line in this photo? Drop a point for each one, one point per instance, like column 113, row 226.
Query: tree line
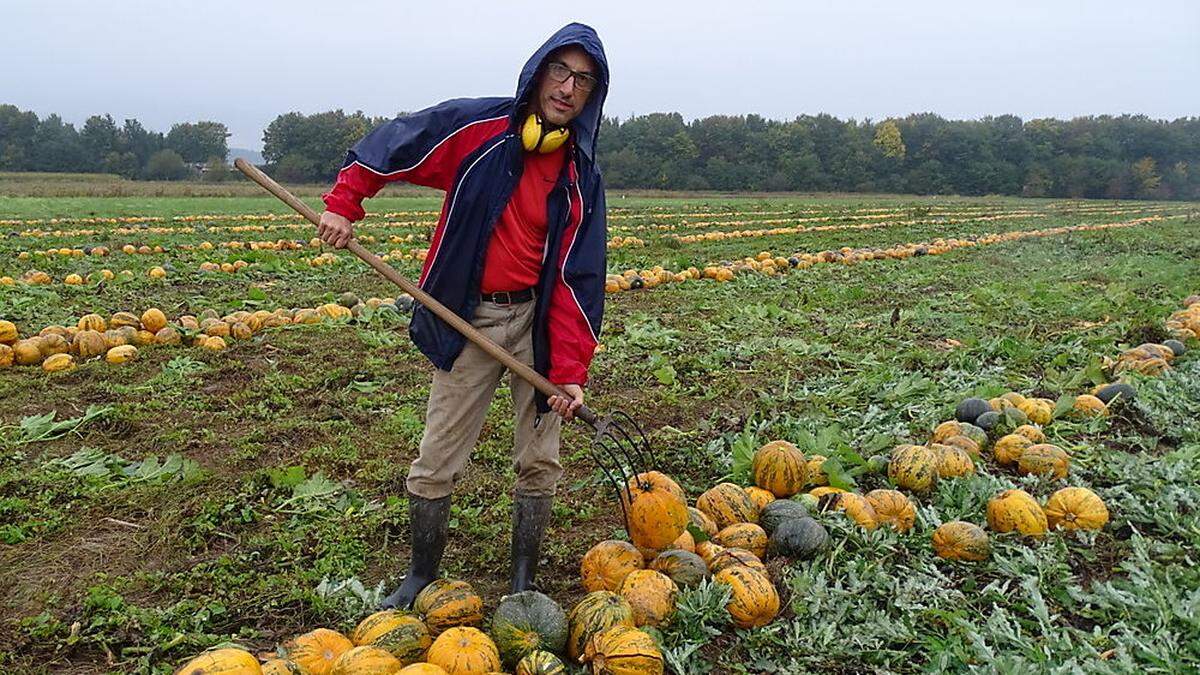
column 1115, row 157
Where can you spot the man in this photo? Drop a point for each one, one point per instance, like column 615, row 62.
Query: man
column 519, row 251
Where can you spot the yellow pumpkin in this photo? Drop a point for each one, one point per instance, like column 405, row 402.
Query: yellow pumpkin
column 317, row 650
column 824, row 490
column 332, row 310
column 52, row 344
column 744, row 535
column 651, row 595
column 366, row 660
column 222, row 662
column 93, row 322
column 121, row 354
column 8, row 332
column 58, row 363
column 701, row 520
column 780, row 468
column 240, row 331
column 759, row 497
column 954, row 462
column 1087, row 405
column 1037, row 410
column 124, row 319
column 816, row 475
column 945, row 430
column 623, row 650
column 753, row 601
column 281, row 667
column 404, row 635
column 28, row 352
column 1044, row 460
column 1007, row 450
column 213, row 344
column 858, row 509
column 463, row 650
column 1033, row 433
column 735, row 557
column 6, row 356
column 1015, row 510
column 167, row 336
column 595, row 613
column 1076, row 508
column 727, row 504
column 422, row 669
column 964, row 442
column 154, row 320
column 707, row 550
column 606, row 565
column 892, row 508
column 913, row 467
column 960, row 540
column 448, row 603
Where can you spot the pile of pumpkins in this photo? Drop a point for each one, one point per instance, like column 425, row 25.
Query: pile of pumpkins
column 34, row 277
column 117, row 339
column 1184, row 324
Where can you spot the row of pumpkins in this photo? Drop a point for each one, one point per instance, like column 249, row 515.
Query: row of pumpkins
column 769, row 264
column 117, row 338
column 34, row 277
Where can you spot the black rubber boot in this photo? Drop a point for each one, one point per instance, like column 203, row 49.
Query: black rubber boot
column 530, row 515
column 427, row 532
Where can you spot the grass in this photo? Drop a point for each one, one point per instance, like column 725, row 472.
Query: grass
column 256, row 493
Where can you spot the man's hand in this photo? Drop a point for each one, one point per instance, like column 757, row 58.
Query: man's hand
column 566, row 407
column 335, row 230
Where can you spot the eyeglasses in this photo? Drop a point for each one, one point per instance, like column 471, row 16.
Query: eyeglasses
column 559, row 72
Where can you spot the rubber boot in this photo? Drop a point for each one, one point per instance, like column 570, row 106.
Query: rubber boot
column 530, row 515
column 427, row 532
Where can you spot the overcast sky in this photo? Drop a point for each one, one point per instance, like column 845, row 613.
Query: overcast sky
column 245, row 62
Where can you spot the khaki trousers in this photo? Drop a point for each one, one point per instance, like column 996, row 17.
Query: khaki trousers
column 459, row 401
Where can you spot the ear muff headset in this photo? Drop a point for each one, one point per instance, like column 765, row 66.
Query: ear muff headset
column 536, row 136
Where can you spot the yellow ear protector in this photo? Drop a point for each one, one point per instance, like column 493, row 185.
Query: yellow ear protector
column 535, row 135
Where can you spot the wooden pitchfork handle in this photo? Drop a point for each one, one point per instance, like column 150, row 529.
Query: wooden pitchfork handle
column 457, row 322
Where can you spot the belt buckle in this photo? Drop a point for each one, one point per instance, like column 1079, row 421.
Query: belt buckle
column 507, row 298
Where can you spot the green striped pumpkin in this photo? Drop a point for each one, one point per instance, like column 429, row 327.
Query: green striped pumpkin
column 402, row 633
column 541, row 663
column 727, row 504
column 448, row 603
column 780, row 468
column 526, row 622
column 596, row 612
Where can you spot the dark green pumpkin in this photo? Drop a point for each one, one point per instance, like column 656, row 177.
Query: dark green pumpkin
column 528, row 621
column 1126, row 393
column 778, row 511
column 970, row 409
column 685, row 568
column 800, row 538
column 541, row 662
column 1175, row 346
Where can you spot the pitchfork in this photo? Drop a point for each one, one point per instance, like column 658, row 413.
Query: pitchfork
column 620, row 453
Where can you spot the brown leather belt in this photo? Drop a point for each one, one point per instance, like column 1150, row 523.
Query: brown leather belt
column 509, row 297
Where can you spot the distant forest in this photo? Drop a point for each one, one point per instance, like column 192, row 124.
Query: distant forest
column 1115, row 157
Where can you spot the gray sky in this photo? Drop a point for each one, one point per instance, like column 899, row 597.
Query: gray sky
column 245, row 62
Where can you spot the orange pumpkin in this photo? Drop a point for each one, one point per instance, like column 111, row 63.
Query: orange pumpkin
column 1076, row 508
column 1015, row 510
column 1044, row 460
column 701, row 520
column 448, row 603
column 592, row 615
column 753, row 601
column 858, row 509
column 735, row 557
column 316, row 650
column 464, row 650
column 222, row 662
column 651, row 596
column 747, row 536
column 780, row 468
column 727, row 504
column 759, row 497
column 657, row 513
column 892, row 508
column 606, row 565
column 1008, row 449
column 960, row 540
column 954, row 462
column 366, row 660
column 622, row 650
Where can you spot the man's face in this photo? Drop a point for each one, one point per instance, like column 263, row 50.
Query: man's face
column 561, row 102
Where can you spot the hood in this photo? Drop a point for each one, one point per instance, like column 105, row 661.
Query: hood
column 586, row 127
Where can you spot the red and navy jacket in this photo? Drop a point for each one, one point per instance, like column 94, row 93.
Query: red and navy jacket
column 471, row 148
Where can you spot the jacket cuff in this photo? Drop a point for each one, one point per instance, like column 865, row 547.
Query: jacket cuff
column 572, row 372
column 339, row 201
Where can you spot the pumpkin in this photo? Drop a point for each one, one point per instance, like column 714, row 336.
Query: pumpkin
column 332, row 310
column 366, row 660
column 1013, row 398
column 121, row 354
column 154, row 320
column 684, row 568
column 526, row 622
column 780, row 468
column 464, row 650
column 93, row 322
column 8, row 332
column 759, row 497
column 595, row 613
column 971, row 408
column 52, row 344
column 727, row 504
column 448, row 603
column 401, row 633
column 1118, row 391
column 735, row 557
column 606, row 564
column 240, row 331
column 1076, row 508
column 142, row 338
column 189, row 322
column 778, row 511
column 892, row 508
column 58, row 363
column 651, row 595
column 801, row 538
column 945, row 430
column 1087, row 405
column 212, row 344
column 422, row 669
column 858, row 509
column 1044, row 460
column 816, row 475
column 27, row 352
column 316, row 651
column 701, row 520
column 281, row 667
column 215, row 328
column 124, row 319
column 1015, row 510
column 624, row 650
column 753, row 601
column 222, row 662
column 167, row 336
column 963, row 441
column 744, row 535
column 685, row 542
column 823, row 491
column 1008, row 449
column 954, row 462
column 657, row 513
column 541, row 663
column 913, row 467
column 6, row 356
column 1037, row 410
column 707, row 550
column 648, row 480
column 960, row 540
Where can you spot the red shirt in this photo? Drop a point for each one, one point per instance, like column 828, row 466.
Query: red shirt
column 514, row 255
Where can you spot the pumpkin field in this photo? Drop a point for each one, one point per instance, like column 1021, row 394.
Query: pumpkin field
column 896, row 434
